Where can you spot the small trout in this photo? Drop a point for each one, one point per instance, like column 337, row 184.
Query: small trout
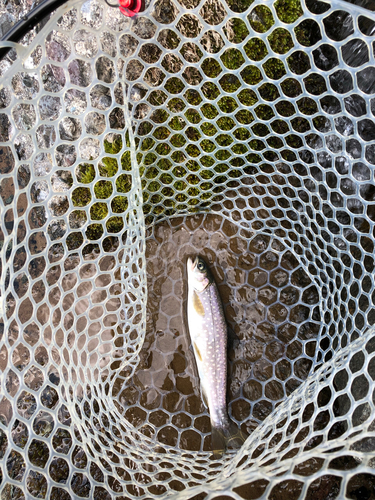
column 208, row 332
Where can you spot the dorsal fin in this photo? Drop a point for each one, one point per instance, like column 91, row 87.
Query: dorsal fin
column 197, row 304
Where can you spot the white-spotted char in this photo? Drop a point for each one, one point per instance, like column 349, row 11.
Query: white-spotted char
column 208, row 333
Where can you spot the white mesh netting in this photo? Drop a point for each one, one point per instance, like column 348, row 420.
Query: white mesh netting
column 241, row 130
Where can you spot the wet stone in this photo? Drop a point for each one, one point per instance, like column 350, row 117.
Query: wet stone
column 43, row 424
column 80, row 485
column 267, row 295
column 57, row 46
column 85, row 43
column 59, row 470
column 80, row 73
column 38, row 453
column 20, row 434
column 257, row 278
column 62, row 441
column 75, row 101
column 108, row 43
column 36, row 484
column 53, row 78
column 15, row 466
column 25, row 85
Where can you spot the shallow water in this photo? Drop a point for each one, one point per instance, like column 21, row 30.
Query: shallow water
column 272, row 311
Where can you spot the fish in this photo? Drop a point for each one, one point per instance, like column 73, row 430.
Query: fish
column 208, row 333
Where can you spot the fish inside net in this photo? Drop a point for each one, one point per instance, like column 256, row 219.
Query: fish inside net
column 240, row 130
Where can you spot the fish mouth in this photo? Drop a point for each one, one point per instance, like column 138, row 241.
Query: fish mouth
column 192, row 264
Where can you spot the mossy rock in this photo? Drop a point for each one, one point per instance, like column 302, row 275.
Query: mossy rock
column 115, row 224
column 236, row 30
column 108, row 167
column 98, row 211
column 81, row 196
column 208, row 129
column 94, row 231
column 177, row 123
column 261, row 19
column 85, row 173
column 280, row 41
column 251, row 75
column 119, row 204
column 211, row 67
column 256, row 49
column 74, row 240
column 210, row 90
column 288, row 11
column 209, row 111
column 103, row 189
column 232, row 59
column 274, row 68
column 193, row 97
column 247, row 97
column 113, row 147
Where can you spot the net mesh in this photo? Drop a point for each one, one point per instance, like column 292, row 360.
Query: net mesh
column 240, row 130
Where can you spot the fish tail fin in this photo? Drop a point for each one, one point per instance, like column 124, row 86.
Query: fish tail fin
column 235, row 437
column 219, row 442
column 225, row 437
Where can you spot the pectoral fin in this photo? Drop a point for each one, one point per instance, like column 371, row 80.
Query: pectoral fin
column 197, row 304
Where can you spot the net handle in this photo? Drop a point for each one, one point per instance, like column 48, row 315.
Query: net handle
column 28, row 22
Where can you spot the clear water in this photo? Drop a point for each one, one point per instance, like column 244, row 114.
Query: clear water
column 272, row 311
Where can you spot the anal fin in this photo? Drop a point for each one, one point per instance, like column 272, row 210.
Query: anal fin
column 199, row 360
column 204, row 397
column 197, row 351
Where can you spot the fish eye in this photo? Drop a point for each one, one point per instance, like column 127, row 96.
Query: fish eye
column 201, row 266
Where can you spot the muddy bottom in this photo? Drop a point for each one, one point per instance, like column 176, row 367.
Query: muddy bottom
column 272, row 311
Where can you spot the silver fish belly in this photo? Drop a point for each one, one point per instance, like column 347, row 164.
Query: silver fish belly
column 208, row 332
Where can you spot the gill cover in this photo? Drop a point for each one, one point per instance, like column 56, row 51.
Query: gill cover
column 199, row 276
